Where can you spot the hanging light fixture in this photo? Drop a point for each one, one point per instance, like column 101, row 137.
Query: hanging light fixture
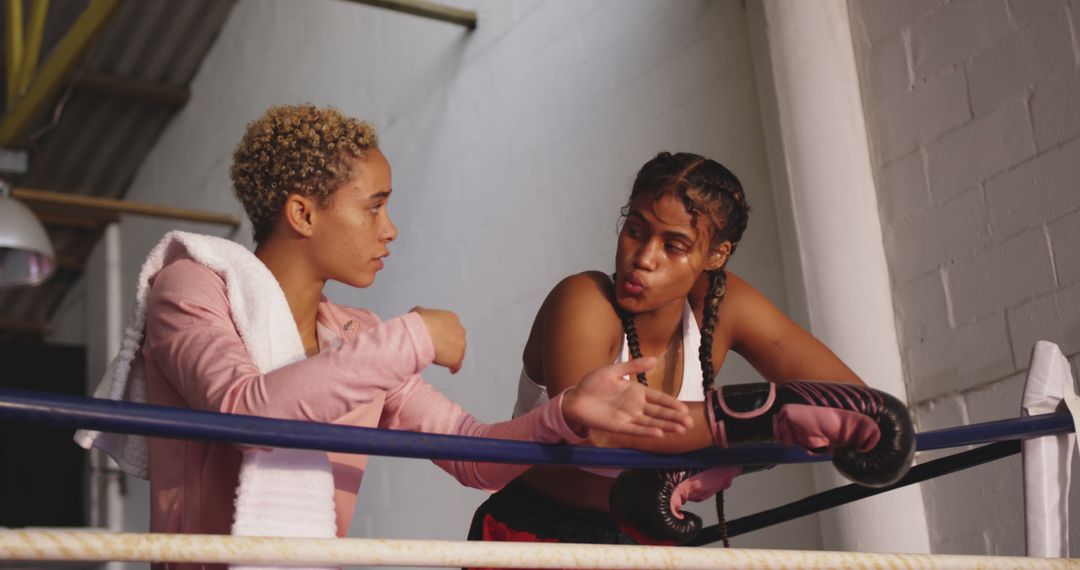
column 26, row 254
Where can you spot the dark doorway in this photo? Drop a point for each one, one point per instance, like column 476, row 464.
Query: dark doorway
column 41, row 468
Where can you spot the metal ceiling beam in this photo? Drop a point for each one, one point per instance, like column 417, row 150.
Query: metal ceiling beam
column 51, row 220
column 425, row 9
column 32, row 48
column 133, row 88
column 36, row 328
column 57, row 69
column 68, row 263
column 66, row 205
column 13, row 45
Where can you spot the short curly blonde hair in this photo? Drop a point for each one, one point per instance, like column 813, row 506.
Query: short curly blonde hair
column 295, row 149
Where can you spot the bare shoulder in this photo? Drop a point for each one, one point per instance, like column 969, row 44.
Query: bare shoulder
column 741, row 294
column 579, row 312
column 585, row 289
column 745, row 308
column 772, row 343
column 582, row 299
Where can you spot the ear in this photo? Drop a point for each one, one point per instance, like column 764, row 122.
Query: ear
column 299, row 213
column 718, row 256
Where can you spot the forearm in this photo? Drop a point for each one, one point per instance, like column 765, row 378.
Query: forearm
column 420, row 407
column 330, row 384
column 696, row 437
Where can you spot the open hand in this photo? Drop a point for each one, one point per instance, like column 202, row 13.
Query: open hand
column 604, row 401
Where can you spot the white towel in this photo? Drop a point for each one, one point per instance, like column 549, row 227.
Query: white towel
column 281, row 492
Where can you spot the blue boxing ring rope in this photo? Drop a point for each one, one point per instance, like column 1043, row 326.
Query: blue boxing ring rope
column 177, row 423
column 159, row 421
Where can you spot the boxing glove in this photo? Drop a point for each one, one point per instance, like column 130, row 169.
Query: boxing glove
column 868, row 432
column 647, row 503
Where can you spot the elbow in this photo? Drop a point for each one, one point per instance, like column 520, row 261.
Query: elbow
column 473, row 476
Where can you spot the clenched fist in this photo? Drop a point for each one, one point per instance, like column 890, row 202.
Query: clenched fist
column 447, row 335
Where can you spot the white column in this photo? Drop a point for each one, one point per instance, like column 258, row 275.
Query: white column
column 824, row 185
column 111, row 474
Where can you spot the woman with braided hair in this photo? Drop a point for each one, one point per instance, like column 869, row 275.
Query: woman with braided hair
column 670, row 297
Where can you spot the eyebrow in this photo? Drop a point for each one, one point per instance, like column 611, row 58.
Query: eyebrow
column 679, row 235
column 666, row 233
column 380, row 195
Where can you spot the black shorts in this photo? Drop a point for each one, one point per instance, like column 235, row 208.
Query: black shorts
column 520, row 513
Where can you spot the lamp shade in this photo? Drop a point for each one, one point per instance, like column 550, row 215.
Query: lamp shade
column 26, row 255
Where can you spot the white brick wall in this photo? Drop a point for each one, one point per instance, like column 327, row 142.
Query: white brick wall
column 976, row 146
column 887, row 18
column 931, row 238
column 955, row 32
column 1054, row 113
column 907, row 191
column 1064, row 237
column 1042, row 189
column 974, row 151
column 1003, row 275
column 1011, row 66
column 922, row 112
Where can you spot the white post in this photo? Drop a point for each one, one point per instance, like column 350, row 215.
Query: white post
column 1048, row 459
column 817, row 139
column 111, row 477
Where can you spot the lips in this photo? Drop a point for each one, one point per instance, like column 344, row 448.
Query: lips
column 633, row 286
column 379, row 260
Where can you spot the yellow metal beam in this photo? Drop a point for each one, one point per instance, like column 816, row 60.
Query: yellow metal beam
column 13, row 21
column 65, row 205
column 57, row 69
column 34, row 33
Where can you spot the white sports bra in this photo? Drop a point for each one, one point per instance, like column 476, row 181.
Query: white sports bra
column 532, row 395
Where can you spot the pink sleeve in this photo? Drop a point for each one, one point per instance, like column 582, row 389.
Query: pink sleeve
column 418, row 406
column 192, row 339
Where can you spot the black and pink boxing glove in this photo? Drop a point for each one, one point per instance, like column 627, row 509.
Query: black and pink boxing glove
column 868, row 432
column 647, row 503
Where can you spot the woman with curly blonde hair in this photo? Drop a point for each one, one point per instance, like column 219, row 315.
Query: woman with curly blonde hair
column 316, row 189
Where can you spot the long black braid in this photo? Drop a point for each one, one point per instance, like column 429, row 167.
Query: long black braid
column 630, row 330
column 704, row 186
column 717, row 289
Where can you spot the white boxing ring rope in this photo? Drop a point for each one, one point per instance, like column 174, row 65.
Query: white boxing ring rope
column 66, row 545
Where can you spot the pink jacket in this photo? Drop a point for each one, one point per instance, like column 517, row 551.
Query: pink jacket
column 366, row 374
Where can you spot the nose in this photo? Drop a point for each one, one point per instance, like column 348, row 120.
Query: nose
column 645, row 256
column 389, row 230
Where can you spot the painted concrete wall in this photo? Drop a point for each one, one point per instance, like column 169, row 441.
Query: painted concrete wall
column 975, row 136
column 513, row 148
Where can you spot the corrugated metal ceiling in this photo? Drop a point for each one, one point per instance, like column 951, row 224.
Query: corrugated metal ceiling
column 93, row 137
